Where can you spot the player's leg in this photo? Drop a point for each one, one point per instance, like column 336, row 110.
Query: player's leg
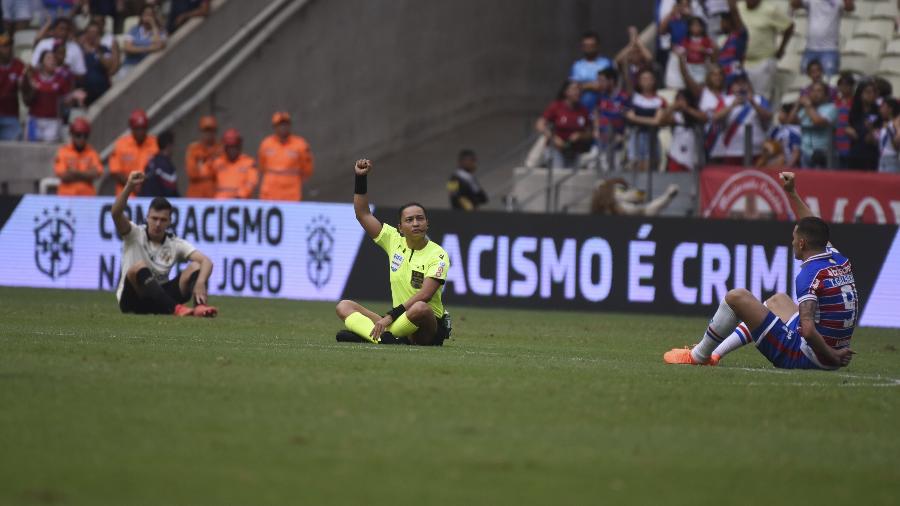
column 182, row 290
column 358, row 319
column 152, row 297
column 186, row 281
column 738, row 305
column 418, row 323
column 780, row 304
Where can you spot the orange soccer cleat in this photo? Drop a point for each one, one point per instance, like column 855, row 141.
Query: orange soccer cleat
column 205, row 311
column 683, row 356
column 181, row 310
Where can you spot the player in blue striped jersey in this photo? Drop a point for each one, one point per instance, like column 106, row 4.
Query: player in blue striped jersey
column 817, row 336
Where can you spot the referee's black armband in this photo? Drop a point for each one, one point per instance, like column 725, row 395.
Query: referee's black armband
column 396, row 312
column 360, row 187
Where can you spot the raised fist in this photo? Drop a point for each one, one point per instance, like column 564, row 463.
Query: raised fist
column 363, row 167
column 787, row 181
column 135, row 178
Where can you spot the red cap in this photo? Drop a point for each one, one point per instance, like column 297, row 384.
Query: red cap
column 138, row 119
column 80, row 126
column 231, row 137
column 281, row 117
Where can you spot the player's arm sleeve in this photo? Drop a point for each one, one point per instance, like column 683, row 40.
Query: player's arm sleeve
column 438, row 268
column 806, row 288
column 385, row 237
column 133, row 232
column 184, row 251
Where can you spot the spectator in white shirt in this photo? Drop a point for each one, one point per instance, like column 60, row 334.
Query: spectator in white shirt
column 824, row 33
column 60, row 29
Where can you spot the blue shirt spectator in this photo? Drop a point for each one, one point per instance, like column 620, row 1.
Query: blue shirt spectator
column 584, row 71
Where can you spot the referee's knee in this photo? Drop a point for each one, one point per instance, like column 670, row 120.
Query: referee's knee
column 344, row 308
column 418, row 310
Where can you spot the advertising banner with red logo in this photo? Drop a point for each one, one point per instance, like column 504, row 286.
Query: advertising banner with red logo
column 836, row 196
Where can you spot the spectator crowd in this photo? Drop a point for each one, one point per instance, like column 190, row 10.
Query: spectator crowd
column 711, row 81
column 81, row 49
column 216, row 167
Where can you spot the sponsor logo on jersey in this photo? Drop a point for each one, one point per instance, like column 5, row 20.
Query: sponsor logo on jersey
column 417, row 279
column 396, row 262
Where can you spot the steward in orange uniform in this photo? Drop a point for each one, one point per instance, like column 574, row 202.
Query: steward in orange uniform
column 132, row 151
column 199, row 158
column 77, row 164
column 285, row 162
column 236, row 174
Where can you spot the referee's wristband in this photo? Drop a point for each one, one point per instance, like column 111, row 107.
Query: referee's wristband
column 360, row 187
column 396, row 312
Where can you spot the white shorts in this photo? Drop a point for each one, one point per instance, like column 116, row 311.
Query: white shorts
column 17, row 10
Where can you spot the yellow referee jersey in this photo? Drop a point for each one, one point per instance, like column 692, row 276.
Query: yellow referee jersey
column 409, row 268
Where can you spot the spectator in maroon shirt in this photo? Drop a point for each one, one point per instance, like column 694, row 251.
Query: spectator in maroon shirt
column 566, row 124
column 12, row 71
column 46, row 91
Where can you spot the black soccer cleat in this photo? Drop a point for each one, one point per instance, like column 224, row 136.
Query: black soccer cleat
column 345, row 336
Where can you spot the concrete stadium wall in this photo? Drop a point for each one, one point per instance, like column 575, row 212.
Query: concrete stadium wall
column 378, row 78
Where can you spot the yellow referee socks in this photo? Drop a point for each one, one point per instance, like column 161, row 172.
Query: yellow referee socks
column 403, row 327
column 360, row 325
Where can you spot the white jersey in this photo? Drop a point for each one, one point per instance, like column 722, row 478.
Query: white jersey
column 730, row 138
column 160, row 258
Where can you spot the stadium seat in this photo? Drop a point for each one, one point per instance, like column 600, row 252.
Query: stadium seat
column 790, row 62
column 889, row 65
column 882, row 29
column 857, row 63
column 799, row 82
column 24, row 39
column 863, row 10
column 847, row 27
column 884, row 10
column 24, row 55
column 893, row 47
column 865, row 46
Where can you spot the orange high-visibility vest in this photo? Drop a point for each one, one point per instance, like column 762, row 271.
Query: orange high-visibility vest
column 198, row 165
column 237, row 179
column 128, row 156
column 87, row 161
column 284, row 167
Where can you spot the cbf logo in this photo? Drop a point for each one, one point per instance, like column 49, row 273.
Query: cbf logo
column 319, row 245
column 54, row 242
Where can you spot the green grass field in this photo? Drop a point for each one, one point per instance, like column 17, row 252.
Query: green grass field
column 261, row 406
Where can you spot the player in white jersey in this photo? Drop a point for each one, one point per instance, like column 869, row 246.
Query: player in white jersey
column 148, row 254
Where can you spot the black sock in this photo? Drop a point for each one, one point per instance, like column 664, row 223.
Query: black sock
column 151, row 289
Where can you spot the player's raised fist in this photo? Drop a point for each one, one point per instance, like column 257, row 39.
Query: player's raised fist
column 135, row 178
column 363, row 167
column 787, row 181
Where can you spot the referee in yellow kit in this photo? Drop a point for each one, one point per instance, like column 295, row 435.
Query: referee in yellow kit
column 418, row 270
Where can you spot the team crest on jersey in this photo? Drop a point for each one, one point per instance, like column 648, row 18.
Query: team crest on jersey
column 54, row 242
column 396, row 262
